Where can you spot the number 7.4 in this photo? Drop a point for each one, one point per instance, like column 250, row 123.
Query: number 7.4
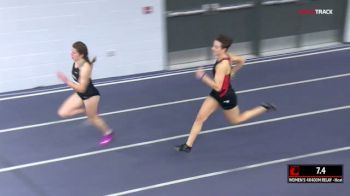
column 321, row 170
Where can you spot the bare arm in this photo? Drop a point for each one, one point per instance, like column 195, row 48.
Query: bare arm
column 217, row 82
column 238, row 61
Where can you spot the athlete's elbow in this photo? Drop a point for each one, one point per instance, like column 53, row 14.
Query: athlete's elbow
column 241, row 62
column 81, row 90
column 217, row 88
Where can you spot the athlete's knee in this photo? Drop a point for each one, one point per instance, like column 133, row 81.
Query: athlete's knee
column 62, row 113
column 237, row 120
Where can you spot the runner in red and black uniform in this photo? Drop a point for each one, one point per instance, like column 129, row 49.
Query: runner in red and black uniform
column 222, row 95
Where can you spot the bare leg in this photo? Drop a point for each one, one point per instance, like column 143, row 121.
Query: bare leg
column 235, row 117
column 72, row 106
column 91, row 107
column 209, row 106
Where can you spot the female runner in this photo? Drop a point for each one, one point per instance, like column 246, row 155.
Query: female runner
column 222, row 94
column 86, row 97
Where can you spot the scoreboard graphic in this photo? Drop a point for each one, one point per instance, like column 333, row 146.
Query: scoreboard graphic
column 315, row 173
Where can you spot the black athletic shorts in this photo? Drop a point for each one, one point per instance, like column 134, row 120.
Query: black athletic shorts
column 91, row 91
column 228, row 101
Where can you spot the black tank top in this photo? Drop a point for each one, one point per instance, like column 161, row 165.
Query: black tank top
column 226, row 86
column 76, row 74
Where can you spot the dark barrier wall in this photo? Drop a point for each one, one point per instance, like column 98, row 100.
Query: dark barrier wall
column 193, row 4
column 196, row 31
column 250, row 24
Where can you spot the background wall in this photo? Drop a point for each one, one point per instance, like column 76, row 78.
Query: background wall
column 265, row 27
column 36, row 35
column 36, row 38
column 347, row 24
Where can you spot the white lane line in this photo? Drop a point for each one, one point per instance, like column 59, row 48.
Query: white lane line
column 171, row 103
column 168, row 74
column 247, row 167
column 55, row 160
column 102, row 114
column 32, row 91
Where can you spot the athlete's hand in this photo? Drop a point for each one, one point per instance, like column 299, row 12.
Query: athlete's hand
column 62, row 77
column 200, row 73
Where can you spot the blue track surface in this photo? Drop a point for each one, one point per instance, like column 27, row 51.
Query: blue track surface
column 63, row 158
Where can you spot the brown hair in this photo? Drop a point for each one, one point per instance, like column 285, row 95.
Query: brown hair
column 83, row 50
column 225, row 41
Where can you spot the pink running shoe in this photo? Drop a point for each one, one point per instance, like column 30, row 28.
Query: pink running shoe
column 106, row 139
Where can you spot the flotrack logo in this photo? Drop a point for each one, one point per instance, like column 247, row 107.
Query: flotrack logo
column 315, row 12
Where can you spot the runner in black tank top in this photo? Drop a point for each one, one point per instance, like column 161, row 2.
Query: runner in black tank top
column 86, row 97
column 222, row 94
column 90, row 91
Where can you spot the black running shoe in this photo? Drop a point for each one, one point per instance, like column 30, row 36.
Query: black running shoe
column 183, row 148
column 269, row 106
